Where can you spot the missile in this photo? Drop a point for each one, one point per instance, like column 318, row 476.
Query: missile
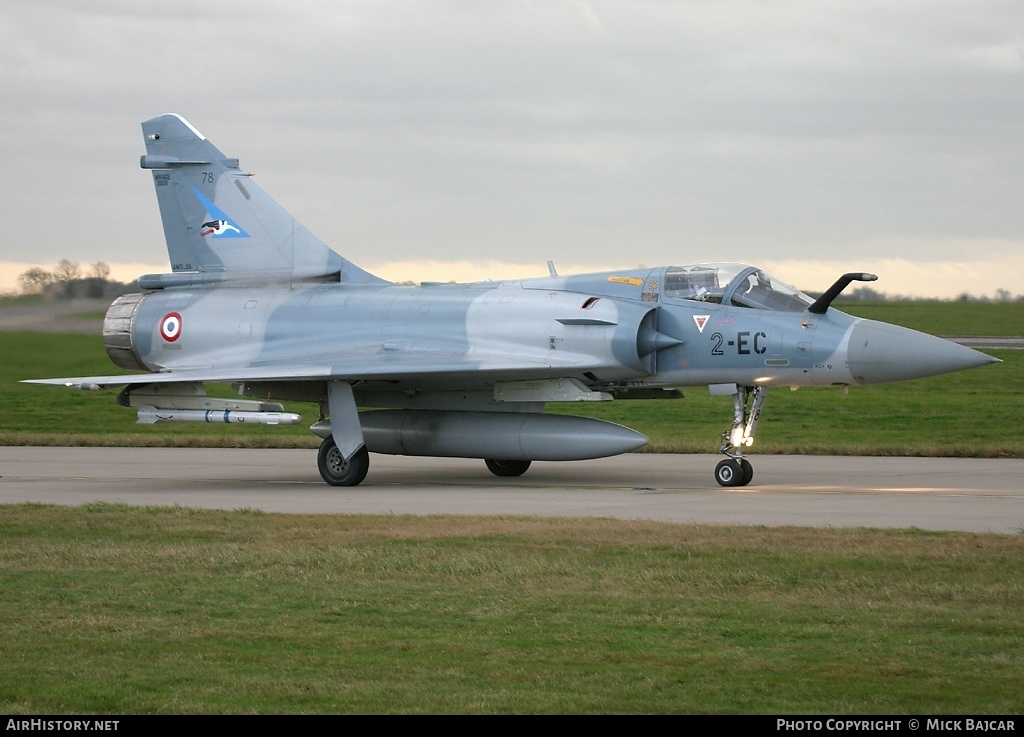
column 503, row 435
column 148, row 415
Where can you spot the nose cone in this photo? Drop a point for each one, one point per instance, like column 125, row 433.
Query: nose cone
column 879, row 352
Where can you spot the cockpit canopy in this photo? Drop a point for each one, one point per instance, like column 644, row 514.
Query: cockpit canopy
column 739, row 285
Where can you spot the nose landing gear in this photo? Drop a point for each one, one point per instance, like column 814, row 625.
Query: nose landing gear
column 736, row 470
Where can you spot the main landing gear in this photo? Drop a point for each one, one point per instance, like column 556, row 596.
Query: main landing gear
column 736, row 470
column 506, row 468
column 336, row 471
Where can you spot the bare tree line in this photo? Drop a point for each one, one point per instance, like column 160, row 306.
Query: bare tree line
column 69, row 279
column 867, row 294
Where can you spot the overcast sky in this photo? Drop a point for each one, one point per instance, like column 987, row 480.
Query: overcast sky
column 437, row 139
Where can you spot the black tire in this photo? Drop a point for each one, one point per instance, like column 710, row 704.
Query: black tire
column 336, row 471
column 748, row 472
column 730, row 473
column 507, row 468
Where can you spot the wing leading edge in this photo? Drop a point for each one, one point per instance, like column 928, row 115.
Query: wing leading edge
column 383, row 365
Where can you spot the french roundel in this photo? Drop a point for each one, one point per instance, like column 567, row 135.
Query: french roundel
column 170, row 327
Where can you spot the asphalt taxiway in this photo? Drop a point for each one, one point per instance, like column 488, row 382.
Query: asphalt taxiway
column 979, row 495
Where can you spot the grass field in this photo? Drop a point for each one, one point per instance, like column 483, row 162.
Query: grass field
column 108, row 609
column 1001, row 319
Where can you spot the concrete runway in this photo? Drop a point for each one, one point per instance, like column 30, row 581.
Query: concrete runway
column 811, row 491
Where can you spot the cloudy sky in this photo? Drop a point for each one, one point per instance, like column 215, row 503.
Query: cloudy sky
column 441, row 139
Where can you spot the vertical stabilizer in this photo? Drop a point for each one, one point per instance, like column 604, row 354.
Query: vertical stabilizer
column 217, row 221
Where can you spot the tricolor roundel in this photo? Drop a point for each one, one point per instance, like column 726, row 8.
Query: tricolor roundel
column 170, row 327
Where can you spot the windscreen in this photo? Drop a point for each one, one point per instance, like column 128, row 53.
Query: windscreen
column 735, row 284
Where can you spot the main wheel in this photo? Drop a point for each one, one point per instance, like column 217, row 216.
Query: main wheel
column 336, row 471
column 733, row 473
column 507, row 468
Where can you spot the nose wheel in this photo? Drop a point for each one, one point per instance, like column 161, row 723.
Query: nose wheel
column 736, row 470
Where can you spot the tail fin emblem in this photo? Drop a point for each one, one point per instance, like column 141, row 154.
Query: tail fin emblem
column 216, row 228
column 218, row 224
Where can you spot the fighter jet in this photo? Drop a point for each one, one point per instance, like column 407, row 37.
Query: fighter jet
column 254, row 300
